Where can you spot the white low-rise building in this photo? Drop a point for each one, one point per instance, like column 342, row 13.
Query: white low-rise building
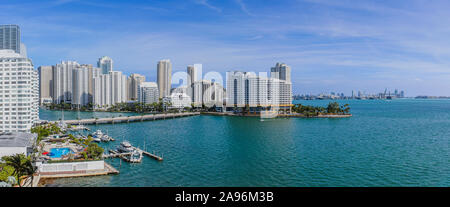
column 17, row 143
column 180, row 100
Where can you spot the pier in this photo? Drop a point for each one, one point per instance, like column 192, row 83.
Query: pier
column 127, row 119
column 124, row 155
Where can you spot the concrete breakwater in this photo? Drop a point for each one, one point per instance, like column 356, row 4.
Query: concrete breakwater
column 126, row 119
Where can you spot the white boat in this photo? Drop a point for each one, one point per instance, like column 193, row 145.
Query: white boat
column 98, row 136
column 96, row 139
column 125, row 147
column 98, row 133
column 105, row 138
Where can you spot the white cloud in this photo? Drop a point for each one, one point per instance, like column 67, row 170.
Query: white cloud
column 207, row 4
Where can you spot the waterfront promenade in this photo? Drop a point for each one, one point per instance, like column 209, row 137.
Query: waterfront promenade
column 127, row 119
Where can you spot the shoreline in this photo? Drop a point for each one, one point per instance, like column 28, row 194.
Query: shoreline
column 279, row 115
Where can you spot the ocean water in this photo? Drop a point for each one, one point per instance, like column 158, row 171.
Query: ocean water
column 402, row 142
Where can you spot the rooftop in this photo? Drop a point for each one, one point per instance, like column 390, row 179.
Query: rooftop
column 17, row 139
column 7, row 53
column 148, row 84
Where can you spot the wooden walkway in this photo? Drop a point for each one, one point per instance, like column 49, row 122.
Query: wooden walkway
column 127, row 119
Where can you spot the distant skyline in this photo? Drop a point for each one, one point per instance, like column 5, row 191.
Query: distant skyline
column 330, row 45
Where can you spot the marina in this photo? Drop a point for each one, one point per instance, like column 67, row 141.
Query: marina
column 383, row 143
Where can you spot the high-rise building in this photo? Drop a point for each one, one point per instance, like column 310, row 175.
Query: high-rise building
column 45, row 84
column 35, row 95
column 109, row 89
column 105, row 63
column 213, row 94
column 148, row 92
column 207, row 93
column 62, row 81
column 18, row 93
column 102, row 91
column 119, row 87
column 197, row 92
column 246, row 89
column 164, row 77
column 133, row 82
column 281, row 71
column 10, row 38
column 91, row 73
column 80, row 88
column 194, row 74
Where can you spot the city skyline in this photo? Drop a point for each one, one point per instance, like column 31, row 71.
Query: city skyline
column 330, row 51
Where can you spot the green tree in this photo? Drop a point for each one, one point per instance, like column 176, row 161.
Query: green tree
column 5, row 172
column 94, row 151
column 20, row 164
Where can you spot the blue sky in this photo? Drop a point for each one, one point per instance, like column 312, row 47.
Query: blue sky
column 331, row 45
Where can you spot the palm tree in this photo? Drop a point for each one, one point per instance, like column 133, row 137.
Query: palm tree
column 347, row 108
column 29, row 170
column 18, row 162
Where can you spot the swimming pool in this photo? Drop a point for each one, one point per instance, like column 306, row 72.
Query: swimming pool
column 58, row 152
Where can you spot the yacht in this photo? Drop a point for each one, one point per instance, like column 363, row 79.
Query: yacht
column 97, row 136
column 125, row 147
column 105, row 138
column 98, row 133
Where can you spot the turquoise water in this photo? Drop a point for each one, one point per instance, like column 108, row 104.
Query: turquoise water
column 386, row 143
column 59, row 152
column 74, row 115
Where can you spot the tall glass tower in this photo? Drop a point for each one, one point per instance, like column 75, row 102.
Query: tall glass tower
column 10, row 37
column 105, row 63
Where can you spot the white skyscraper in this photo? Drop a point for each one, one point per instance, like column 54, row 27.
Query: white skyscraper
column 62, row 81
column 80, row 88
column 18, row 92
column 105, row 63
column 109, row 89
column 281, row 71
column 194, row 74
column 35, row 95
column 236, row 89
column 148, row 92
column 164, row 78
column 257, row 92
column 102, row 91
column 119, row 87
column 213, row 94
